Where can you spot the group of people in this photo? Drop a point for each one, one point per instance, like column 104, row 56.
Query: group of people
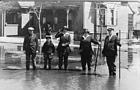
column 30, row 46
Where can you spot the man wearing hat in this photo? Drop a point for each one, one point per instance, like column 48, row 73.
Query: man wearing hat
column 110, row 50
column 48, row 50
column 30, row 46
column 86, row 49
column 63, row 48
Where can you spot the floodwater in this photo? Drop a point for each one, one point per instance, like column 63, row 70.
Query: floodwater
column 13, row 75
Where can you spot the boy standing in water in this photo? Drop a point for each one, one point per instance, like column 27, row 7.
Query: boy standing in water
column 48, row 50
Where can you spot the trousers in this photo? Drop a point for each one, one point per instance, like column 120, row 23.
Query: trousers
column 86, row 60
column 47, row 60
column 63, row 59
column 111, row 65
column 30, row 57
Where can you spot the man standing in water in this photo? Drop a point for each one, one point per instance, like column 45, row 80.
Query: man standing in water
column 110, row 50
column 30, row 45
column 63, row 48
column 86, row 49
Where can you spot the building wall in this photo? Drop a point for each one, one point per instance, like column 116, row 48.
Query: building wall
column 122, row 21
column 118, row 22
column 89, row 16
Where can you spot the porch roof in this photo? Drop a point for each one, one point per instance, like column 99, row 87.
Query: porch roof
column 64, row 5
column 13, row 4
column 76, row 0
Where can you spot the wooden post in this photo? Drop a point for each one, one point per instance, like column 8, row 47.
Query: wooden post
column 95, row 21
column 68, row 18
column 119, row 56
column 100, row 39
column 40, row 30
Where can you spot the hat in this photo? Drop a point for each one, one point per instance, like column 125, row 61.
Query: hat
column 110, row 29
column 65, row 27
column 86, row 30
column 31, row 28
column 48, row 36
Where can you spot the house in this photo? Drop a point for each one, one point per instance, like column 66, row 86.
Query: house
column 13, row 21
column 76, row 15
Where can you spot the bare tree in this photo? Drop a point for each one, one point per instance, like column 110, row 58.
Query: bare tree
column 37, row 11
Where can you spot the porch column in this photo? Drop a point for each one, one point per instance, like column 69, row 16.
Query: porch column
column 1, row 23
column 68, row 17
column 54, row 19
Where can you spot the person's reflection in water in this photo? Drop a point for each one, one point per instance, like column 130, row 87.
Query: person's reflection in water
column 30, row 80
column 85, row 82
column 130, row 55
column 31, row 75
column 110, row 84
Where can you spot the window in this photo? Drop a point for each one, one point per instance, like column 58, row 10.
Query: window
column 11, row 18
column 112, row 17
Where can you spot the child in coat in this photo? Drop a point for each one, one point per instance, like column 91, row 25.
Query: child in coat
column 48, row 49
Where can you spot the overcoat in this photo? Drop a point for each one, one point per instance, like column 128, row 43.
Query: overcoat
column 85, row 45
column 30, row 44
column 110, row 46
column 64, row 39
column 48, row 48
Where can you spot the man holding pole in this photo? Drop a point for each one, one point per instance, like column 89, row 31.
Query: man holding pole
column 86, row 49
column 110, row 50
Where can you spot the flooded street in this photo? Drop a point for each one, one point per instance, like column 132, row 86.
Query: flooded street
column 13, row 75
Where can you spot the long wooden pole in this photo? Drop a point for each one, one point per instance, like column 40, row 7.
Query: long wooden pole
column 40, row 30
column 119, row 56
column 96, row 59
column 99, row 46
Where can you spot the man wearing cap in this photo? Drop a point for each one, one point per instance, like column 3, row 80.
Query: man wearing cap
column 30, row 46
column 86, row 49
column 110, row 50
column 63, row 48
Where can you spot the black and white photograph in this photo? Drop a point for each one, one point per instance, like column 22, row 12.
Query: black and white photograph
column 69, row 44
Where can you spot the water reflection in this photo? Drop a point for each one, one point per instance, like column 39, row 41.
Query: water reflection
column 130, row 57
column 85, row 82
column 2, row 56
column 72, row 83
column 49, row 80
column 31, row 75
column 130, row 54
column 127, row 53
column 110, row 84
column 32, row 81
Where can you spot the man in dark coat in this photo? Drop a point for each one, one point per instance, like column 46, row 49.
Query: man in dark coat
column 30, row 46
column 48, row 50
column 63, row 48
column 86, row 49
column 110, row 51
